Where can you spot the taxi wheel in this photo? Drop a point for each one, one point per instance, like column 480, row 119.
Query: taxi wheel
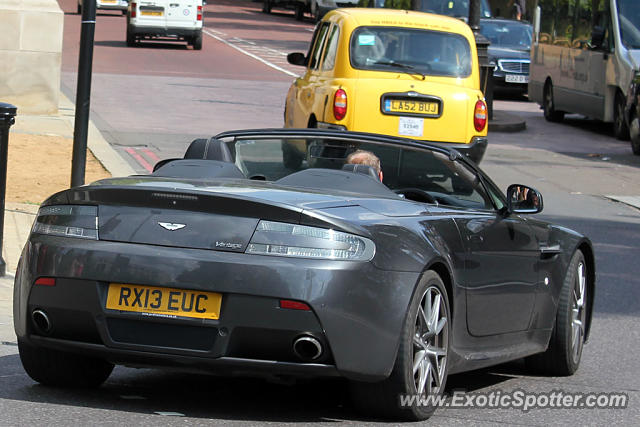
column 60, row 369
column 421, row 366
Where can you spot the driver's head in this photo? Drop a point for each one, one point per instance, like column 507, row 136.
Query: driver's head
column 363, row 157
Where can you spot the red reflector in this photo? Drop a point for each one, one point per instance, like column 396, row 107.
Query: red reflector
column 199, row 13
column 480, row 116
column 294, row 305
column 340, row 104
column 133, row 10
column 46, row 281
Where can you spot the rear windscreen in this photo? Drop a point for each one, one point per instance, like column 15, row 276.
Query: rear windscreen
column 410, row 50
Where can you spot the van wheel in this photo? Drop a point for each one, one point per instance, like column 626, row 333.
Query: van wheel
column 131, row 39
column 196, row 41
column 124, row 12
column 548, row 106
column 620, row 128
column 299, row 11
column 266, row 6
column 634, row 133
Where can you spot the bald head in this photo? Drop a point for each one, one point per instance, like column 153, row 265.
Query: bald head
column 363, row 157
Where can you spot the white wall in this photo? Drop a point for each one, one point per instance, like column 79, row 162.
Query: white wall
column 31, row 54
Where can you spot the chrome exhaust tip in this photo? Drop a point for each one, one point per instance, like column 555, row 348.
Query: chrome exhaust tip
column 307, row 348
column 41, row 320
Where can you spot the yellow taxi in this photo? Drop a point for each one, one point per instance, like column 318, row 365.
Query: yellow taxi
column 392, row 72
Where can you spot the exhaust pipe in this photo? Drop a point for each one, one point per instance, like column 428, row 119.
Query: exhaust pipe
column 307, row 348
column 41, row 320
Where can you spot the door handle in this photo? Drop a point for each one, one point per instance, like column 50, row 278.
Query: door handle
column 476, row 238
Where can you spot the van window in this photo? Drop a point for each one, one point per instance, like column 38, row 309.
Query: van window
column 629, row 17
column 397, row 49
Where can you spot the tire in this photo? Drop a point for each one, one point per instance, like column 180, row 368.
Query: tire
column 60, row 369
column 383, row 399
column 563, row 355
column 197, row 41
column 131, row 38
column 79, row 9
column 299, row 11
column 548, row 106
column 620, row 128
column 124, row 12
column 634, row 134
column 266, row 6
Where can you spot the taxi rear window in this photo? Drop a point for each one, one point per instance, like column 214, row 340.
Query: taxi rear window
column 410, row 50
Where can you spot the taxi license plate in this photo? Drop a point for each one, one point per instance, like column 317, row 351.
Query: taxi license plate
column 407, row 106
column 156, row 301
column 514, row 78
column 150, row 13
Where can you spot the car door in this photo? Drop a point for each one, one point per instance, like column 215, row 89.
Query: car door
column 501, row 263
column 302, row 94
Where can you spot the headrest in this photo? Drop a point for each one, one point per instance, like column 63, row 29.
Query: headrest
column 209, row 149
column 363, row 169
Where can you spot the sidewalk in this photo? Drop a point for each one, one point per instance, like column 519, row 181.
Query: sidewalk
column 19, row 217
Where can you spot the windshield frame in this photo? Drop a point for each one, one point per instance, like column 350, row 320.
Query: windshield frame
column 621, row 22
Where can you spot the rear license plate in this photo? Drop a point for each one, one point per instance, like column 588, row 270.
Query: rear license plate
column 151, row 13
column 514, row 78
column 158, row 301
column 108, row 1
column 407, row 106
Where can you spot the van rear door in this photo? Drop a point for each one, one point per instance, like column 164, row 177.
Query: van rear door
column 152, row 13
column 182, row 13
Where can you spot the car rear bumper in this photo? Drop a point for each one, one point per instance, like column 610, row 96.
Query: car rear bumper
column 474, row 150
column 143, row 31
column 357, row 309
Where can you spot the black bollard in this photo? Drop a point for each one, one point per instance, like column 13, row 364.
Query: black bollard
column 7, row 119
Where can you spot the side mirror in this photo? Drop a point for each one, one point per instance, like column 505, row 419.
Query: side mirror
column 523, row 200
column 297, row 58
column 597, row 38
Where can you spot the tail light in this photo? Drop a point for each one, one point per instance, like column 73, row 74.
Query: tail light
column 199, row 13
column 133, row 10
column 340, row 104
column 67, row 221
column 46, row 281
column 480, row 116
column 294, row 305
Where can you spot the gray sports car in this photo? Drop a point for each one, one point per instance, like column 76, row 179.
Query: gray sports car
column 229, row 261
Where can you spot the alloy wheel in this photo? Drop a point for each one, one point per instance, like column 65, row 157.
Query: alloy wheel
column 430, row 342
column 578, row 313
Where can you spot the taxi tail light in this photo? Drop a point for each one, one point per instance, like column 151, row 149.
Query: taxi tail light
column 199, row 13
column 294, row 305
column 480, row 116
column 46, row 281
column 133, row 9
column 340, row 104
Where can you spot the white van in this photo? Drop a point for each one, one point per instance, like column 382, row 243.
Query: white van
column 161, row 19
column 584, row 56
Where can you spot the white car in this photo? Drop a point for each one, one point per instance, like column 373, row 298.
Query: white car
column 165, row 19
column 108, row 5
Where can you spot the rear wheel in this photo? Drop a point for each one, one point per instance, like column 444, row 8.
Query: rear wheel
column 620, row 128
column 61, row 369
column 421, row 363
column 197, row 41
column 550, row 112
column 79, row 9
column 565, row 346
column 266, row 6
